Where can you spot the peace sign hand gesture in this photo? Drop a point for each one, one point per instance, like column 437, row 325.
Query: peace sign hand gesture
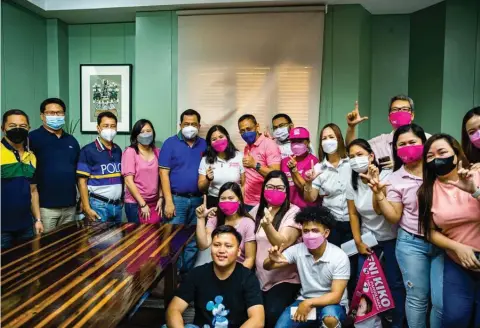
column 465, row 179
column 275, row 254
column 374, row 182
column 354, row 118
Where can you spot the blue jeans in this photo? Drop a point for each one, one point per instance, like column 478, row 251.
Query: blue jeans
column 461, row 290
column 12, row 238
column 185, row 214
column 106, row 211
column 336, row 311
column 131, row 211
column 421, row 264
column 394, row 278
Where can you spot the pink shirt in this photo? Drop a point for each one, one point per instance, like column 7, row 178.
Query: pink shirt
column 145, row 174
column 246, row 228
column 265, row 151
column 403, row 189
column 302, row 167
column 457, row 214
column 268, row 279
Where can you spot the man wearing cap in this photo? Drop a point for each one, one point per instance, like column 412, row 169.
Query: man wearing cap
column 296, row 165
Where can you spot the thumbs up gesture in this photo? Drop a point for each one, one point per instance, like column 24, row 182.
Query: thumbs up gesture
column 248, row 160
column 210, row 175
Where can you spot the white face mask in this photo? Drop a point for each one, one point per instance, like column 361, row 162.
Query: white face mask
column 359, row 164
column 330, row 146
column 281, row 133
column 108, row 134
column 189, row 132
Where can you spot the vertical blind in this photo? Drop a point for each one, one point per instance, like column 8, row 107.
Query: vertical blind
column 251, row 63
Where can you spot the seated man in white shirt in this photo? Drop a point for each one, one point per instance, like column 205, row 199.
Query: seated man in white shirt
column 324, row 270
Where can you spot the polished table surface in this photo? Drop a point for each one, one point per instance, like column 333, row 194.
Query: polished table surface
column 85, row 276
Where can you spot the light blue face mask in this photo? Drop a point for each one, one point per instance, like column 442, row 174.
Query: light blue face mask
column 55, row 122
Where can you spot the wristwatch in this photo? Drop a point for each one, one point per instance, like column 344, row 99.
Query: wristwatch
column 38, row 220
column 476, row 194
column 258, row 166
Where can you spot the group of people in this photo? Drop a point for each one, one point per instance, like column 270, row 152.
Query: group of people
column 273, row 215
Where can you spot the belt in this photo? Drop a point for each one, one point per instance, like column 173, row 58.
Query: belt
column 416, row 236
column 187, row 194
column 105, row 199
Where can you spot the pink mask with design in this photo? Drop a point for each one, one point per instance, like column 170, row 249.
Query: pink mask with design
column 313, row 240
column 398, row 119
column 410, row 153
column 275, row 197
column 475, row 139
column 220, row 145
column 298, row 149
column 229, row 208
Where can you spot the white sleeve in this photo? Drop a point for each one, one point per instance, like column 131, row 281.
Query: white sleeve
column 203, row 166
column 350, row 193
column 240, row 161
column 317, row 183
column 342, row 269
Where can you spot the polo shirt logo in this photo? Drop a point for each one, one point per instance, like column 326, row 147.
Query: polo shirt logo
column 110, row 168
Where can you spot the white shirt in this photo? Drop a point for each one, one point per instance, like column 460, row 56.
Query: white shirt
column 332, row 183
column 223, row 171
column 371, row 221
column 317, row 277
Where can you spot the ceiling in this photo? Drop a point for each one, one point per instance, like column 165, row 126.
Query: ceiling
column 98, row 11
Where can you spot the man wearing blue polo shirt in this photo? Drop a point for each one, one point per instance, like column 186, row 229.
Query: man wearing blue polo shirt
column 179, row 161
column 99, row 174
column 57, row 156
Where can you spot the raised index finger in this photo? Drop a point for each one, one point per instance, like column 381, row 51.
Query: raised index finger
column 205, row 200
column 311, row 163
column 356, row 106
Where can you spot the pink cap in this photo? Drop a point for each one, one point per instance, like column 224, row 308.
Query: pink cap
column 299, row 133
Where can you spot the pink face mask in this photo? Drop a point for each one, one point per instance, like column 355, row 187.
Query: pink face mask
column 298, row 149
column 275, row 197
column 313, row 240
column 475, row 139
column 398, row 119
column 220, row 145
column 410, row 153
column 229, row 208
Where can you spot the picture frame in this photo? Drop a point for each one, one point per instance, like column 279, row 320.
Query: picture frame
column 105, row 87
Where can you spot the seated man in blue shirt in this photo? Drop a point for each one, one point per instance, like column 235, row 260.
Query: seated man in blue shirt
column 179, row 161
column 19, row 190
column 99, row 173
column 57, row 156
column 324, row 270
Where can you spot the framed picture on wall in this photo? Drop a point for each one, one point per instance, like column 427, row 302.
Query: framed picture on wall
column 105, row 88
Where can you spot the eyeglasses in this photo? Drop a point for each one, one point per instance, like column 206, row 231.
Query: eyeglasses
column 54, row 113
column 273, row 187
column 400, row 109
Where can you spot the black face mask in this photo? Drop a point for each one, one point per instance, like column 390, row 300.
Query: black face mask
column 17, row 135
column 441, row 166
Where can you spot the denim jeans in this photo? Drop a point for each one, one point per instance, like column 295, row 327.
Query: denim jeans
column 106, row 211
column 336, row 311
column 461, row 290
column 394, row 278
column 421, row 264
column 13, row 238
column 185, row 214
column 131, row 211
column 276, row 299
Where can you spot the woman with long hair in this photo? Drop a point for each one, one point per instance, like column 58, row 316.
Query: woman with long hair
column 275, row 226
column 471, row 136
column 222, row 163
column 143, row 197
column 449, row 207
column 231, row 211
column 421, row 262
column 366, row 216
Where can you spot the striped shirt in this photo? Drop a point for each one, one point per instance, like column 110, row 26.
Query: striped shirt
column 102, row 167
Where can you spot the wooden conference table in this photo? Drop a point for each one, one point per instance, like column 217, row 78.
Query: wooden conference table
column 87, row 276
